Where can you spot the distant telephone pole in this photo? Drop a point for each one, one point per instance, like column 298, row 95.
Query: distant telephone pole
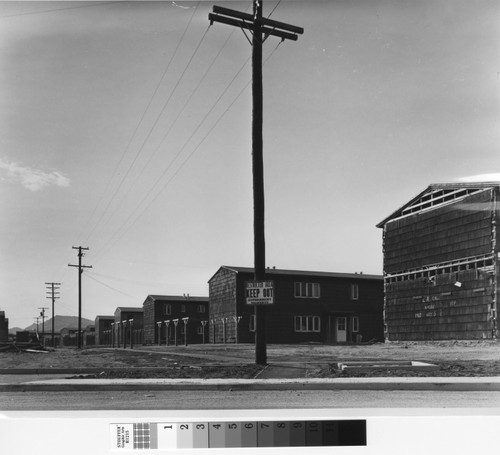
column 80, row 271
column 42, row 315
column 53, row 290
column 260, row 28
column 37, row 319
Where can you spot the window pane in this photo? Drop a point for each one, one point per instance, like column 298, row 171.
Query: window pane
column 316, row 323
column 315, row 290
column 355, row 324
column 354, row 291
column 297, row 289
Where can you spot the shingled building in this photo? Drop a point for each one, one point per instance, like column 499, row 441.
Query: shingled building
column 440, row 264
column 321, row 307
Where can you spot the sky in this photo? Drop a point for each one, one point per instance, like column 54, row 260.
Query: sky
column 125, row 128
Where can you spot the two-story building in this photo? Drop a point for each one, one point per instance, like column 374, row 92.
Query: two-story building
column 128, row 326
column 103, row 326
column 320, row 307
column 4, row 328
column 175, row 319
column 441, row 252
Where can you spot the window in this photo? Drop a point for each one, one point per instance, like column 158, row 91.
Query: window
column 183, row 308
column 202, row 309
column 355, row 324
column 307, row 324
column 354, row 292
column 307, row 290
column 167, row 309
column 199, row 330
column 252, row 323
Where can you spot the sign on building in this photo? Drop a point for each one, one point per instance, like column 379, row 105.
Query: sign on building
column 259, row 292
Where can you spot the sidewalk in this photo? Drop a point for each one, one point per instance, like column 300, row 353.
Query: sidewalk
column 280, row 374
column 273, row 378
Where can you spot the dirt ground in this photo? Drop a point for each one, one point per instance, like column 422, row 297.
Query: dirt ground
column 460, row 358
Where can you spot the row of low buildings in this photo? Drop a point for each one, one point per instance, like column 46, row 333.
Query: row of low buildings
column 316, row 307
column 440, row 282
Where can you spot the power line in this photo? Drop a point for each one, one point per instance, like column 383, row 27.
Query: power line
column 31, row 13
column 89, row 275
column 213, row 61
column 151, row 130
column 188, row 99
column 116, row 237
column 134, row 135
column 171, row 126
column 158, row 180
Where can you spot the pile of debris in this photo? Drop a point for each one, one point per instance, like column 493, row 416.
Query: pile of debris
column 23, row 347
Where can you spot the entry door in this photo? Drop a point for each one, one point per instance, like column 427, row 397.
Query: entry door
column 341, row 330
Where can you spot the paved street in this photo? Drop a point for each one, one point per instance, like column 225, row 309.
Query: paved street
column 262, row 399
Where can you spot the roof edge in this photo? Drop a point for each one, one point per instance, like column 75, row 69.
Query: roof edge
column 275, row 271
column 437, row 186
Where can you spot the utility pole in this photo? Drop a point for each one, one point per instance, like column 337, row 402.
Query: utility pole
column 37, row 319
column 260, row 28
column 80, row 271
column 42, row 315
column 53, row 290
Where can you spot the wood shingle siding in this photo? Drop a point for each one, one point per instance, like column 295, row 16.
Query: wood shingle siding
column 324, row 296
column 445, row 234
column 156, row 330
column 440, row 268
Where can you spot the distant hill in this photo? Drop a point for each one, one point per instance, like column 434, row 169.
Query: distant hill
column 13, row 330
column 60, row 322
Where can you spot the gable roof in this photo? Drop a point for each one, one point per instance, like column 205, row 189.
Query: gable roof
column 177, row 298
column 438, row 195
column 129, row 308
column 308, row 273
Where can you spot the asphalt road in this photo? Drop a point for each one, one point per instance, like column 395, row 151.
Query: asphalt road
column 281, row 399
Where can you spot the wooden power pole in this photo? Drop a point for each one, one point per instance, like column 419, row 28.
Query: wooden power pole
column 80, row 271
column 260, row 28
column 53, row 290
column 42, row 315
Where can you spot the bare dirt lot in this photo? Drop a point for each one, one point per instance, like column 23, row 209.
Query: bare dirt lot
column 465, row 358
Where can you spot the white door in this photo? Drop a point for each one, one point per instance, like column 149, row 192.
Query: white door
column 341, row 330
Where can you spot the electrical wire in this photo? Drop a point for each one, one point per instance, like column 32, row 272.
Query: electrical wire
column 89, row 275
column 124, row 196
column 110, row 215
column 105, row 210
column 158, row 180
column 31, row 13
column 119, row 235
column 181, row 111
column 274, row 9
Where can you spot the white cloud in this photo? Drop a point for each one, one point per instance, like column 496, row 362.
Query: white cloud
column 33, row 179
column 493, row 177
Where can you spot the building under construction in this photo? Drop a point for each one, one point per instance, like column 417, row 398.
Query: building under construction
column 4, row 328
column 440, row 264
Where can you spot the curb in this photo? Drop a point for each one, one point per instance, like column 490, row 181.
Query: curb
column 486, row 384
